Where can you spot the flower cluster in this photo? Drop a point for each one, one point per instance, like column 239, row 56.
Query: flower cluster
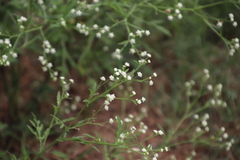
column 41, row 3
column 110, row 98
column 234, row 23
column 46, row 65
column 138, row 33
column 63, row 22
column 73, row 106
column 158, row 132
column 234, row 46
column 103, row 30
column 129, row 118
column 66, row 85
column 10, row 55
column 189, row 85
column 177, row 12
column 117, row 54
column 143, row 128
column 76, row 12
column 82, row 28
column 217, row 92
column 155, row 156
column 48, row 48
column 221, row 136
column 21, row 20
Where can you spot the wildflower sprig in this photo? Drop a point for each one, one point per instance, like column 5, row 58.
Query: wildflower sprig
column 50, row 28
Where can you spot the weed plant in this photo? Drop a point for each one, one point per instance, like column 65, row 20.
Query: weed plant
column 182, row 54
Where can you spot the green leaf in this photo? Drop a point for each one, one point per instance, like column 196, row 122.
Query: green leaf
column 88, row 135
column 46, row 133
column 59, row 98
column 30, row 128
column 59, row 154
column 13, row 157
column 68, row 119
column 123, row 42
column 94, row 148
column 119, row 129
column 163, row 30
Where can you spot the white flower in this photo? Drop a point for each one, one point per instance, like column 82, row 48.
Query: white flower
column 106, row 28
column 132, row 41
column 97, row 9
column 236, row 45
column 222, row 129
column 127, row 120
column 177, row 11
column 219, row 24
column 71, row 81
column 106, row 108
column 236, row 40
column 204, row 123
column 139, row 74
column 49, row 65
column 103, row 78
column 225, row 135
column 143, row 99
column 133, row 93
column 179, row 5
column 155, row 74
column 159, row 132
column 78, row 13
column 131, row 34
column 111, row 35
column 231, row 52
column 95, row 26
column 132, row 51
column 7, row 41
column 212, row 101
column 129, row 77
column 198, row 129
column 127, row 64
column 206, row 116
column 231, row 15
column 145, row 152
column 149, row 55
column 196, row 116
column 40, row 2
column 63, row 22
column 234, row 24
column 139, row 33
column 111, row 78
column 111, row 121
column 78, row 25
column 209, row 87
column 150, row 82
column 110, row 97
column 73, row 11
column 52, row 50
column 179, row 16
column 138, row 101
column 170, row 17
column 117, row 50
column 22, row 19
column 133, row 129
column 143, row 54
column 98, row 35
column 147, row 32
